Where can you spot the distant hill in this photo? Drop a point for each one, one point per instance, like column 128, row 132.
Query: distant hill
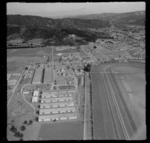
column 37, row 21
column 85, row 26
column 28, row 27
column 131, row 18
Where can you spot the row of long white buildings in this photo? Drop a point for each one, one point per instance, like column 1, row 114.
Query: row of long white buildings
column 55, row 105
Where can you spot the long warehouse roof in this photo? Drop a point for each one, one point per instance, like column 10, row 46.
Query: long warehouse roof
column 38, row 75
column 47, row 75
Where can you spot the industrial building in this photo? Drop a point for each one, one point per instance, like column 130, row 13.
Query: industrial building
column 59, row 104
column 47, row 75
column 37, row 79
column 57, row 110
column 62, row 99
column 57, row 117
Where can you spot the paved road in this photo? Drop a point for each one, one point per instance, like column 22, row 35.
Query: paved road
column 111, row 116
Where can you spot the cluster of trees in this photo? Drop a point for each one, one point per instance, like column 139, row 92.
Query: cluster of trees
column 22, row 128
column 28, row 122
column 87, row 68
column 16, row 132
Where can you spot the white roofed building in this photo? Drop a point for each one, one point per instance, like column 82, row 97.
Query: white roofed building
column 36, row 93
column 34, row 99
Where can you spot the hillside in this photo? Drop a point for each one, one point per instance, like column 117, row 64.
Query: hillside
column 132, row 18
column 28, row 27
column 86, row 28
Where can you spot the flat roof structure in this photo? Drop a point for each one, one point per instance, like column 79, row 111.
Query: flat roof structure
column 54, row 95
column 57, row 110
column 62, row 99
column 47, row 75
column 34, row 99
column 57, row 116
column 38, row 76
column 36, row 93
column 48, row 95
column 58, row 104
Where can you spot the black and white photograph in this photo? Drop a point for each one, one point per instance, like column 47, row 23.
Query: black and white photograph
column 76, row 71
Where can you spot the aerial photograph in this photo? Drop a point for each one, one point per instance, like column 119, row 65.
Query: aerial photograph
column 76, row 71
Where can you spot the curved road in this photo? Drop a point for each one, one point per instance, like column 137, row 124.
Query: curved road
column 111, row 116
column 26, row 100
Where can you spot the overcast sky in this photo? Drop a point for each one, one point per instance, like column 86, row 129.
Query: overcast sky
column 67, row 9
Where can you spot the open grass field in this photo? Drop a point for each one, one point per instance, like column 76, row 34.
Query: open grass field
column 32, row 132
column 62, row 131
column 133, row 81
column 27, row 52
column 130, row 79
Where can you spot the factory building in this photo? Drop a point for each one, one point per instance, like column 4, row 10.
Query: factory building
column 57, row 110
column 37, row 79
column 63, row 99
column 47, row 75
column 59, row 104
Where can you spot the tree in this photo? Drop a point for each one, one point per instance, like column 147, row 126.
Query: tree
column 30, row 122
column 25, row 122
column 36, row 118
column 18, row 134
column 22, row 128
column 78, row 48
column 87, row 68
column 13, row 129
column 94, row 47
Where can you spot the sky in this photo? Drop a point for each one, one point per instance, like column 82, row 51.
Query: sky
column 56, row 10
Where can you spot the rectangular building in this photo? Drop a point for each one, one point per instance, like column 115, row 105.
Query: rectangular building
column 36, row 93
column 57, row 117
column 73, row 117
column 59, row 104
column 47, row 75
column 34, row 99
column 57, row 110
column 63, row 99
column 38, row 75
column 48, row 95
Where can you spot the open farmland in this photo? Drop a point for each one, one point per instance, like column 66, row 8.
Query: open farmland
column 27, row 52
column 64, row 50
column 62, row 131
column 16, row 64
column 118, row 89
column 133, row 81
